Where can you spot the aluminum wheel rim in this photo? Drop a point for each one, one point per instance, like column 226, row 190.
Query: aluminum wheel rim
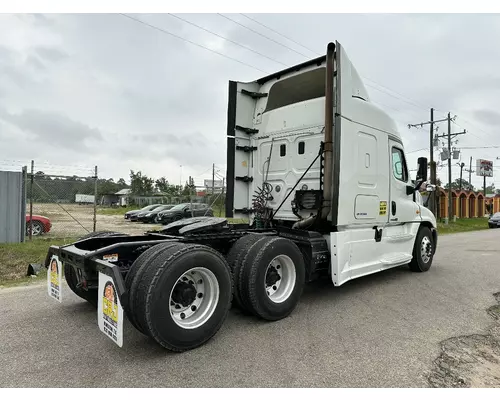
column 198, row 311
column 280, row 290
column 36, row 229
column 426, row 249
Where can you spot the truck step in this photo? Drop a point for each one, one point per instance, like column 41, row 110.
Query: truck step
column 396, row 258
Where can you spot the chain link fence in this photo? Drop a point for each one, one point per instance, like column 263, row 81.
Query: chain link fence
column 58, row 205
column 68, row 202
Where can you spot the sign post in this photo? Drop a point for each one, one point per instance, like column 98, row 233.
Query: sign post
column 484, row 168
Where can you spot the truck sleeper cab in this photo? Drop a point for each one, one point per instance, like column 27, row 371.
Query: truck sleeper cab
column 321, row 174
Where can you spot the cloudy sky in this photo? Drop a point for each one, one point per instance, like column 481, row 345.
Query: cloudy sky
column 102, row 89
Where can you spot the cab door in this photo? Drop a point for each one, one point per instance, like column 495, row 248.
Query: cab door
column 403, row 211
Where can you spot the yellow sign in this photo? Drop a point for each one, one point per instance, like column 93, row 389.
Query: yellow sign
column 109, row 303
column 110, row 309
column 383, row 208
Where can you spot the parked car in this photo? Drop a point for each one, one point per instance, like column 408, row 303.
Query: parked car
column 183, row 210
column 152, row 215
column 132, row 215
column 41, row 225
column 494, row 221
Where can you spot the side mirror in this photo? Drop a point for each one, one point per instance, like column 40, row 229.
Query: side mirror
column 422, row 169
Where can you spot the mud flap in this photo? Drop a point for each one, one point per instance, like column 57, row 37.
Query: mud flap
column 110, row 310
column 54, row 278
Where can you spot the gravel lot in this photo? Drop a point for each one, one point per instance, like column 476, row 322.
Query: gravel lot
column 73, row 220
column 392, row 329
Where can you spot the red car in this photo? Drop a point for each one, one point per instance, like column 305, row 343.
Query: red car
column 40, row 225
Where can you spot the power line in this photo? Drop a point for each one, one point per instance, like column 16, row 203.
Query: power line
column 390, row 94
column 387, row 91
column 264, row 36
column 477, row 127
column 411, row 102
column 280, row 34
column 479, row 147
column 474, row 136
column 193, row 43
column 229, row 40
column 416, row 151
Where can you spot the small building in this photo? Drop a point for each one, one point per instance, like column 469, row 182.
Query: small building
column 123, row 197
column 120, row 198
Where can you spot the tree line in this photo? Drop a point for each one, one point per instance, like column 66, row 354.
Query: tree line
column 464, row 185
column 142, row 185
column 48, row 188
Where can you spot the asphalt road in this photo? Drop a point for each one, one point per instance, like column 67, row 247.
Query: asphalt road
column 379, row 331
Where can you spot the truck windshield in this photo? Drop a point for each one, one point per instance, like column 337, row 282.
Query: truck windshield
column 306, row 86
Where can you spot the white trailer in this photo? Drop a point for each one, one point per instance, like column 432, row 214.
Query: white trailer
column 84, row 198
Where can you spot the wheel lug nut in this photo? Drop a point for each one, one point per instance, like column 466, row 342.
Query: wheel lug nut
column 184, row 278
column 183, row 315
column 200, row 281
column 278, row 266
column 192, row 272
column 274, row 287
column 193, row 308
column 200, row 295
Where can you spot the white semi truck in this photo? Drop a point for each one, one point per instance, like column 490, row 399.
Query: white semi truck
column 321, row 174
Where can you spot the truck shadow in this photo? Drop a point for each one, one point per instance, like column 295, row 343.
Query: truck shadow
column 319, row 294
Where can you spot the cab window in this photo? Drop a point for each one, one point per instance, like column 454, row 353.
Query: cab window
column 399, row 165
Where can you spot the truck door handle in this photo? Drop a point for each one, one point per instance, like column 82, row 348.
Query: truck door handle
column 393, row 208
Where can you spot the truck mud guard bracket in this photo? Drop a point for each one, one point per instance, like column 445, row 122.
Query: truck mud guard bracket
column 246, row 149
column 253, row 95
column 248, row 131
column 245, row 178
column 113, row 271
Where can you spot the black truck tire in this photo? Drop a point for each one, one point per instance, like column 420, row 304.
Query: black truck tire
column 70, row 273
column 272, row 278
column 133, row 277
column 234, row 258
column 184, row 296
column 423, row 251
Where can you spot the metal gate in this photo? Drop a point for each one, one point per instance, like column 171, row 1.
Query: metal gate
column 12, row 206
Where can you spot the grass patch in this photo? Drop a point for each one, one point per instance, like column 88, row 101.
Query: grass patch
column 15, row 257
column 463, row 225
column 115, row 211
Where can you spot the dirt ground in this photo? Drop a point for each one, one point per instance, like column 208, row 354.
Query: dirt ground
column 73, row 220
column 471, row 360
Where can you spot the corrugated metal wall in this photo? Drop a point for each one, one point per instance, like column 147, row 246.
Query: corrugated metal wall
column 12, row 206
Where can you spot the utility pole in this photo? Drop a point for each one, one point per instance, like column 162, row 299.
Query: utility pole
column 433, row 202
column 461, row 169
column 449, row 135
column 32, row 179
column 95, row 200
column 450, row 200
column 213, row 179
column 470, row 172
